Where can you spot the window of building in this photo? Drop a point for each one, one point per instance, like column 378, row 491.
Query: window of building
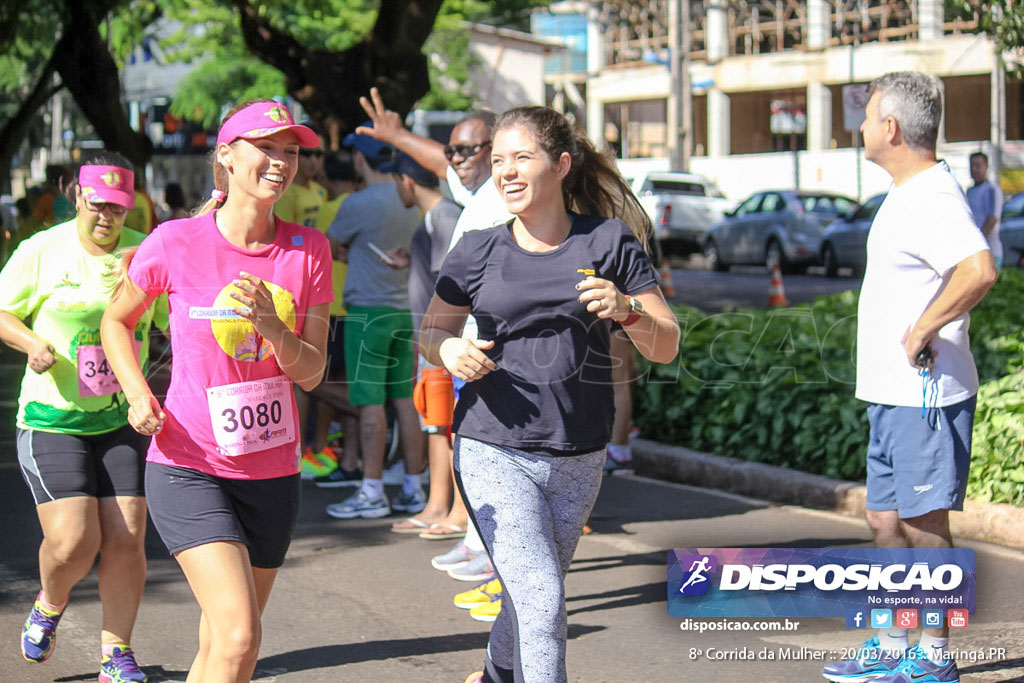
column 636, row 129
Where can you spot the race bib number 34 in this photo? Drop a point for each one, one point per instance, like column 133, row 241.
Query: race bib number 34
column 252, row 416
column 95, row 378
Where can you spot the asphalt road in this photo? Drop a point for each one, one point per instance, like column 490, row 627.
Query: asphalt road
column 355, row 602
column 747, row 286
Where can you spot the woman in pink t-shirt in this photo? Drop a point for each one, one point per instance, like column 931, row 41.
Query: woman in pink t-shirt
column 249, row 299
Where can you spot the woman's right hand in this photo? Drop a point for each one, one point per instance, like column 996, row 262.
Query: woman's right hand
column 145, row 415
column 465, row 358
column 41, row 357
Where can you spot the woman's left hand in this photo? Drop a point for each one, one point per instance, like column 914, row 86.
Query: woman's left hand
column 603, row 298
column 258, row 305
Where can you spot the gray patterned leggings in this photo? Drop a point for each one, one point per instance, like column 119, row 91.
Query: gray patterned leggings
column 530, row 509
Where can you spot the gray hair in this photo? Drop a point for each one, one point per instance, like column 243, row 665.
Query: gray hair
column 914, row 99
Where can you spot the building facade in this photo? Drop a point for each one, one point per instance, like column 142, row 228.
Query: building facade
column 768, row 79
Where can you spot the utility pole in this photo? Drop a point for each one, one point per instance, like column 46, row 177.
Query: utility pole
column 997, row 135
column 680, row 101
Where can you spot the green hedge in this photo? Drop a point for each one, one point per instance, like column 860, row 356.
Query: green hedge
column 777, row 387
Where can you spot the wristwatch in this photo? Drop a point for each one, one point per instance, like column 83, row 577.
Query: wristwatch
column 636, row 309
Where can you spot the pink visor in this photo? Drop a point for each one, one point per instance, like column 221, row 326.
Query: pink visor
column 262, row 119
column 107, row 185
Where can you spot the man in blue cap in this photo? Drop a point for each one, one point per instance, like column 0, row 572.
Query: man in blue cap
column 379, row 350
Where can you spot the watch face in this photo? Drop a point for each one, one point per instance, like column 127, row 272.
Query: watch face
column 635, row 305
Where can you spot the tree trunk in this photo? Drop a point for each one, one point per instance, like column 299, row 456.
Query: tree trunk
column 92, row 78
column 329, row 83
column 12, row 134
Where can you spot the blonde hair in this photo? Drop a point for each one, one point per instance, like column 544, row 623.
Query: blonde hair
column 117, row 279
column 220, row 174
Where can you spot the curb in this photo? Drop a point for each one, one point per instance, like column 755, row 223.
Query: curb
column 992, row 522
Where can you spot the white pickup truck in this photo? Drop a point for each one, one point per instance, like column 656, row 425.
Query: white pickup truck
column 682, row 207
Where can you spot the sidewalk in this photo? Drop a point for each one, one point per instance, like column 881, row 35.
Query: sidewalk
column 996, row 523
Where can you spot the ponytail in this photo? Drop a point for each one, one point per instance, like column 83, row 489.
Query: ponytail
column 117, row 279
column 597, row 189
column 220, row 184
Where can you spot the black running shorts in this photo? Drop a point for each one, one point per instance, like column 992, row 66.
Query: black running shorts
column 70, row 465
column 190, row 508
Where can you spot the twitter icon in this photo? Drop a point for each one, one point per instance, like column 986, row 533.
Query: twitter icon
column 881, row 618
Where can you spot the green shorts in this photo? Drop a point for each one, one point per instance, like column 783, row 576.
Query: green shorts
column 379, row 354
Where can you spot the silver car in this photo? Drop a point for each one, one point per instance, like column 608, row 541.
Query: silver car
column 846, row 238
column 1011, row 231
column 781, row 226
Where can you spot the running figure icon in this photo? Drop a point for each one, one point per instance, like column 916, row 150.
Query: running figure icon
column 697, row 573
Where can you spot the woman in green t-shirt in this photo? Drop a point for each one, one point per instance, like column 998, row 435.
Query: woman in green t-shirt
column 82, row 462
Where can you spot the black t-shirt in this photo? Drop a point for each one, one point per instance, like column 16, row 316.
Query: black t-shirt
column 552, row 390
column 427, row 250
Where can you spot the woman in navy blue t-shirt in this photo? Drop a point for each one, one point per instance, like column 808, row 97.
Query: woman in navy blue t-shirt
column 536, row 414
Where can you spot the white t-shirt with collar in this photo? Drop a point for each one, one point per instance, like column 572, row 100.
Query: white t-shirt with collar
column 481, row 209
column 921, row 231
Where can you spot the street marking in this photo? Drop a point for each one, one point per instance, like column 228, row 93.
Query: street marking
column 715, row 492
column 624, row 543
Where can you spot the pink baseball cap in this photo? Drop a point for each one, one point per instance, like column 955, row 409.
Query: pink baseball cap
column 262, row 119
column 107, row 185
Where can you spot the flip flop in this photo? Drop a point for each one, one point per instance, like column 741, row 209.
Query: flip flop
column 410, row 525
column 443, row 532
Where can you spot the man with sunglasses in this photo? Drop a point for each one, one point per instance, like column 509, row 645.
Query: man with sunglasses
column 302, row 201
column 465, row 162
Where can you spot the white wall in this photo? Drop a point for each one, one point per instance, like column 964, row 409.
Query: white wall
column 510, row 74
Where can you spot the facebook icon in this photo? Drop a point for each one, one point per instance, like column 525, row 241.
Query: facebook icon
column 855, row 618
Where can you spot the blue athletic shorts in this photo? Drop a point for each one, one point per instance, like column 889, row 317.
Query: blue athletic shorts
column 918, row 465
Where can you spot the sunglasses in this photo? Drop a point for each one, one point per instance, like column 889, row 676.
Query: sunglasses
column 464, row 151
column 115, row 209
column 311, row 153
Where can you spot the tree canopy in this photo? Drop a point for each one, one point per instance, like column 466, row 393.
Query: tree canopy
column 326, row 53
column 48, row 45
column 323, row 53
column 1003, row 21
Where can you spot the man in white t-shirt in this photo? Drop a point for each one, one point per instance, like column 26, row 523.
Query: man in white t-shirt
column 986, row 201
column 927, row 267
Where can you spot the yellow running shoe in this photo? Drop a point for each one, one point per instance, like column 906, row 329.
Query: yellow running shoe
column 487, row 611
column 478, row 595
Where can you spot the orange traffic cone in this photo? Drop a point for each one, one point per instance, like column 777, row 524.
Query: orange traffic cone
column 776, row 292
column 665, row 275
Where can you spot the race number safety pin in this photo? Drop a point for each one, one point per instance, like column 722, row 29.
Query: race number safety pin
column 212, row 313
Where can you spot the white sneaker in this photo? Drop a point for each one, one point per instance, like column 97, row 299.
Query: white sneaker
column 359, row 505
column 412, row 503
column 459, row 556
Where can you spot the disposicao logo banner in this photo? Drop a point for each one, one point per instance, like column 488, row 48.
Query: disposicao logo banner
column 817, row 582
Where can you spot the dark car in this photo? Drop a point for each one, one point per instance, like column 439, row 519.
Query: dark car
column 1011, row 231
column 778, row 225
column 846, row 238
